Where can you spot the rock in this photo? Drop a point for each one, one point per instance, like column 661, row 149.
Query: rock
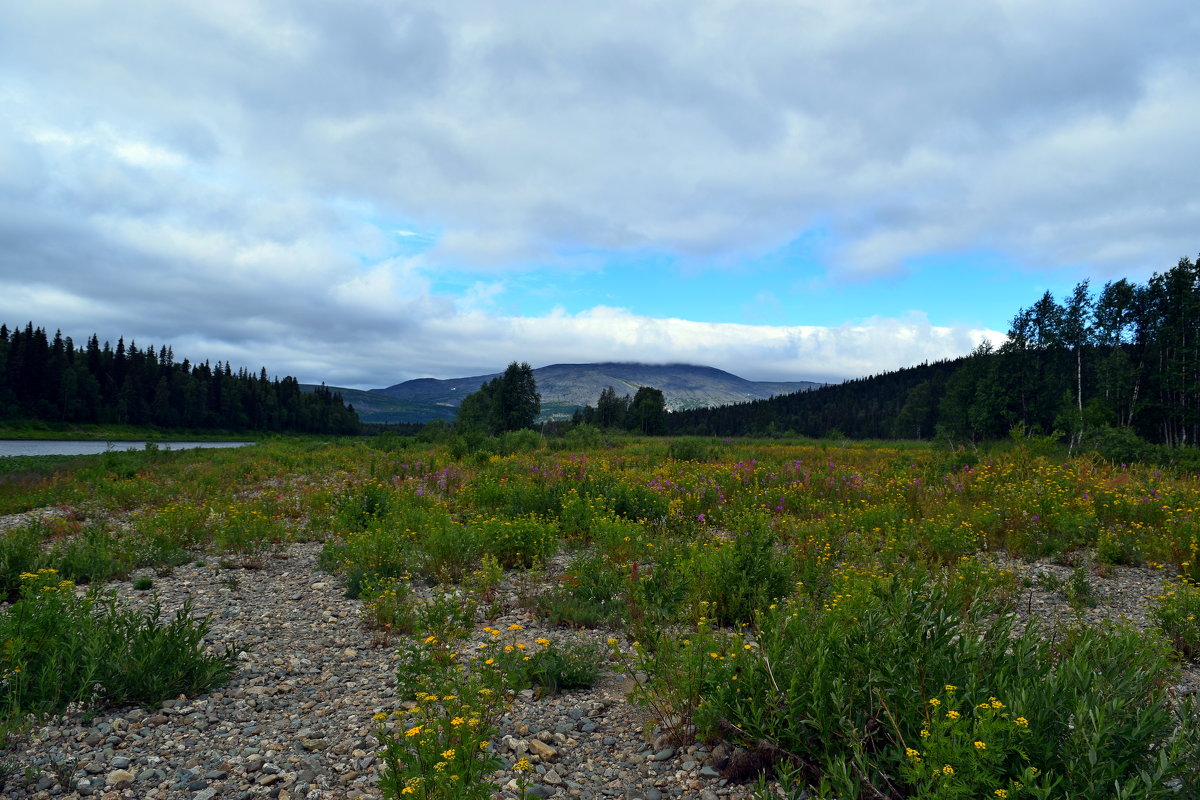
column 542, row 750
column 119, row 762
column 664, row 754
column 120, row 778
column 551, row 777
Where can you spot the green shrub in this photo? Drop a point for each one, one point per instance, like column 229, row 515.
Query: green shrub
column 515, row 542
column 589, row 595
column 62, row 649
column 1176, row 611
column 743, row 573
column 689, row 449
column 93, row 556
column 846, row 686
column 20, row 553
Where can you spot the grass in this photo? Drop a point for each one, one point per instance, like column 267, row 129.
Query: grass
column 807, row 601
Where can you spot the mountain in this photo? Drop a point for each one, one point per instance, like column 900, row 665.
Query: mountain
column 565, row 387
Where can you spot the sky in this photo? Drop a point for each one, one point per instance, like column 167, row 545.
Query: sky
column 367, row 191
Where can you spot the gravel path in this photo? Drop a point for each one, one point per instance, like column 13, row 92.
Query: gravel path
column 295, row 721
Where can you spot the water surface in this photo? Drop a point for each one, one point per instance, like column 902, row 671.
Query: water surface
column 52, row 447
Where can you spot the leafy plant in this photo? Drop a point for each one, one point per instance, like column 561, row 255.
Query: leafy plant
column 61, row 649
column 1176, row 611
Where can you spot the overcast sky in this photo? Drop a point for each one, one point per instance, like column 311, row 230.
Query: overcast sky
column 361, row 192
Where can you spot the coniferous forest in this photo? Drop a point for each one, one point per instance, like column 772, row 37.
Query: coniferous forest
column 1125, row 358
column 44, row 378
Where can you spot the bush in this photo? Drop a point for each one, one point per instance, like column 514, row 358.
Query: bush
column 740, row 575
column 849, row 685
column 63, row 649
column 1176, row 611
column 20, row 553
column 689, row 449
column 515, row 542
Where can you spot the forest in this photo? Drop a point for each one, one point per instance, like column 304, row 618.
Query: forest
column 1125, row 359
column 50, row 379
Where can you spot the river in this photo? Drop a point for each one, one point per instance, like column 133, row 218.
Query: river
column 50, row 447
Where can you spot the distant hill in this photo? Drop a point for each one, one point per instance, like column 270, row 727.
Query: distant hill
column 565, row 387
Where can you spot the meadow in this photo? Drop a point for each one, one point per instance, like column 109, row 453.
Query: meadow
column 839, row 614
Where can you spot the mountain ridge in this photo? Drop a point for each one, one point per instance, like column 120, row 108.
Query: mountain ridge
column 565, row 387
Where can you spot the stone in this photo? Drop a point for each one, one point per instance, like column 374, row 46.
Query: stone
column 119, row 779
column 542, row 750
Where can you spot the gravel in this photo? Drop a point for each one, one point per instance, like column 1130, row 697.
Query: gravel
column 296, row 719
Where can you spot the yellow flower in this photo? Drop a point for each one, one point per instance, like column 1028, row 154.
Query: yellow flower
column 612, row 641
column 1000, row 793
column 953, row 714
column 924, row 734
column 947, row 770
column 408, row 790
column 908, row 751
column 1021, row 722
column 980, row 745
column 523, row 765
column 380, row 716
column 484, row 745
column 515, row 627
column 457, row 721
column 950, row 687
column 430, row 639
column 414, row 731
column 935, row 702
column 448, row 754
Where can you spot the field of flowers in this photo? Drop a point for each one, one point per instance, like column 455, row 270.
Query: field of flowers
column 833, row 611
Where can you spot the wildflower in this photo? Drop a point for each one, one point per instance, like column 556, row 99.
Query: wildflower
column 980, row 745
column 414, row 731
column 430, row 639
column 1021, row 722
column 543, row 642
column 379, row 716
column 950, row 687
column 612, row 641
column 448, row 754
column 515, row 627
column 484, row 745
column 953, row 714
column 1000, row 793
column 924, row 734
column 935, row 702
column 457, row 721
column 947, row 770
column 522, row 766
column 908, row 751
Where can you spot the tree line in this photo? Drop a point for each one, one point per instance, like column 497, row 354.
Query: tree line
column 1126, row 358
column 50, row 379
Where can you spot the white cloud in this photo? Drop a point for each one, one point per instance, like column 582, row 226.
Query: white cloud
column 244, row 176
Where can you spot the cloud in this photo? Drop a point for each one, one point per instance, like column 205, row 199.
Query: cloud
column 285, row 182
